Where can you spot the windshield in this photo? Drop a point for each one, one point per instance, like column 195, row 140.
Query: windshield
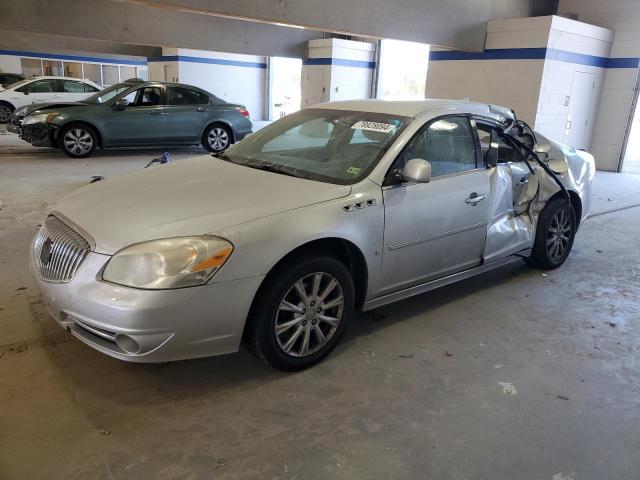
column 335, row 146
column 108, row 93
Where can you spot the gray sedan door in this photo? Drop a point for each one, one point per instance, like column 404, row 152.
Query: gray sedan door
column 438, row 228
column 140, row 123
column 186, row 114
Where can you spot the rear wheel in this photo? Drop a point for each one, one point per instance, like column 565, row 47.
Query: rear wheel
column 555, row 233
column 216, row 138
column 6, row 110
column 78, row 141
column 301, row 313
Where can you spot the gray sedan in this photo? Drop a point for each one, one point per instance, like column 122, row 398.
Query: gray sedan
column 344, row 206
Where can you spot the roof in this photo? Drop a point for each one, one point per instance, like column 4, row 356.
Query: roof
column 413, row 108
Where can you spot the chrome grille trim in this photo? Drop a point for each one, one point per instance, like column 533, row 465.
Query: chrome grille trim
column 68, row 250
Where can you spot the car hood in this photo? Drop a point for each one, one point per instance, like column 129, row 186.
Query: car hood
column 43, row 107
column 193, row 197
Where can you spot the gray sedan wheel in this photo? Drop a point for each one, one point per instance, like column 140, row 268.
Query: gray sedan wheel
column 217, row 138
column 77, row 141
column 301, row 311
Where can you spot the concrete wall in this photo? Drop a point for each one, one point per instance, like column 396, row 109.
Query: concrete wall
column 616, row 102
column 234, row 78
column 337, row 70
column 531, row 65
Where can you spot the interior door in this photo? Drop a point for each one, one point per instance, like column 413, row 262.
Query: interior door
column 141, row 122
column 186, row 113
column 577, row 129
column 438, row 228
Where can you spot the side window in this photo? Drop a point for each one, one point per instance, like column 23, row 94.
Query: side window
column 186, row 96
column 144, row 97
column 447, row 144
column 507, row 152
column 90, row 88
column 71, row 86
column 41, row 86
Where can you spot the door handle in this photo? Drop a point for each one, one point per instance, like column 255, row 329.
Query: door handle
column 155, row 112
column 475, row 199
column 524, row 180
column 200, row 109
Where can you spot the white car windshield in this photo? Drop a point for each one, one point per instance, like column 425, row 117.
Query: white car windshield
column 107, row 94
column 335, row 146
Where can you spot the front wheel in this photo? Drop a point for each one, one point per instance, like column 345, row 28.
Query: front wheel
column 216, row 138
column 6, row 109
column 77, row 141
column 301, row 313
column 555, row 233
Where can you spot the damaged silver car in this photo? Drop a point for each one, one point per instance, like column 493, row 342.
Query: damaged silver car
column 344, row 206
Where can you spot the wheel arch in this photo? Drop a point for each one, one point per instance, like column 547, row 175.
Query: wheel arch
column 341, row 249
column 219, row 121
column 576, row 203
column 84, row 123
column 11, row 105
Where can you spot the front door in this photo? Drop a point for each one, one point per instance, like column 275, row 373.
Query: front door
column 141, row 122
column 438, row 228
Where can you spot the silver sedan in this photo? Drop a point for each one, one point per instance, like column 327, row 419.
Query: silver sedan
column 344, row 206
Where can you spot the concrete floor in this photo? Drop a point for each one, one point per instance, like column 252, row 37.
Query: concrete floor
column 513, row 374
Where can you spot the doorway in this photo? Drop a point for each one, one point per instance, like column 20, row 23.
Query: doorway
column 631, row 159
column 578, row 128
column 285, row 86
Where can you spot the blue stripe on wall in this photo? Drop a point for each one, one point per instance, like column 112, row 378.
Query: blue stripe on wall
column 340, row 62
column 211, row 61
column 76, row 58
column 537, row 54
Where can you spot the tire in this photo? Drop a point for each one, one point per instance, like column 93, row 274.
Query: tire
column 6, row 110
column 77, row 140
column 555, row 233
column 217, row 138
column 301, row 322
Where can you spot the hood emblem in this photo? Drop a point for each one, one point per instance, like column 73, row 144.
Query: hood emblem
column 45, row 252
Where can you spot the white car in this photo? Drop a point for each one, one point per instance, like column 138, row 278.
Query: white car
column 43, row 90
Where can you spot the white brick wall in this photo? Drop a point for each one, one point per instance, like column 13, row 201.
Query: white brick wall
column 623, row 17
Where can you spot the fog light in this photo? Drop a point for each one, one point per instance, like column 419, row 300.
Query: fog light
column 128, row 344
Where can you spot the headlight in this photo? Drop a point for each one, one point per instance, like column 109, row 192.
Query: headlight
column 168, row 263
column 40, row 118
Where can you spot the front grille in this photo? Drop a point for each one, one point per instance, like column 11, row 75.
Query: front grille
column 59, row 251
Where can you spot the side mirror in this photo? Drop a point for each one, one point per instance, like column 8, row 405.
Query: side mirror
column 417, row 170
column 26, row 92
column 120, row 103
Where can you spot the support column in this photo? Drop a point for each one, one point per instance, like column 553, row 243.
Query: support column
column 337, row 70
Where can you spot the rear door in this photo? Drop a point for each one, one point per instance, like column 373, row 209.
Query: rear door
column 141, row 122
column 186, row 114
column 39, row 91
column 438, row 228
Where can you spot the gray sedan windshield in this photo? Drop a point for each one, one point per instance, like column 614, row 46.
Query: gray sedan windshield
column 336, row 146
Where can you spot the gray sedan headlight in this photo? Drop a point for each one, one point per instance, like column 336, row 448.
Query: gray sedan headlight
column 168, row 263
column 39, row 118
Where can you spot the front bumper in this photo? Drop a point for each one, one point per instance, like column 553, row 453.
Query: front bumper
column 39, row 134
column 149, row 325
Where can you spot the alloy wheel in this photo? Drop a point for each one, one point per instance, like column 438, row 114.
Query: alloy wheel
column 78, row 141
column 218, row 139
column 559, row 235
column 5, row 113
column 309, row 314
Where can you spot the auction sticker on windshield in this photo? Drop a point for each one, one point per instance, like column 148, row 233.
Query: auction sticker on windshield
column 373, row 126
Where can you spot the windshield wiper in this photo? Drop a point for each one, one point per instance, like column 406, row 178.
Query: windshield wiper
column 271, row 167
